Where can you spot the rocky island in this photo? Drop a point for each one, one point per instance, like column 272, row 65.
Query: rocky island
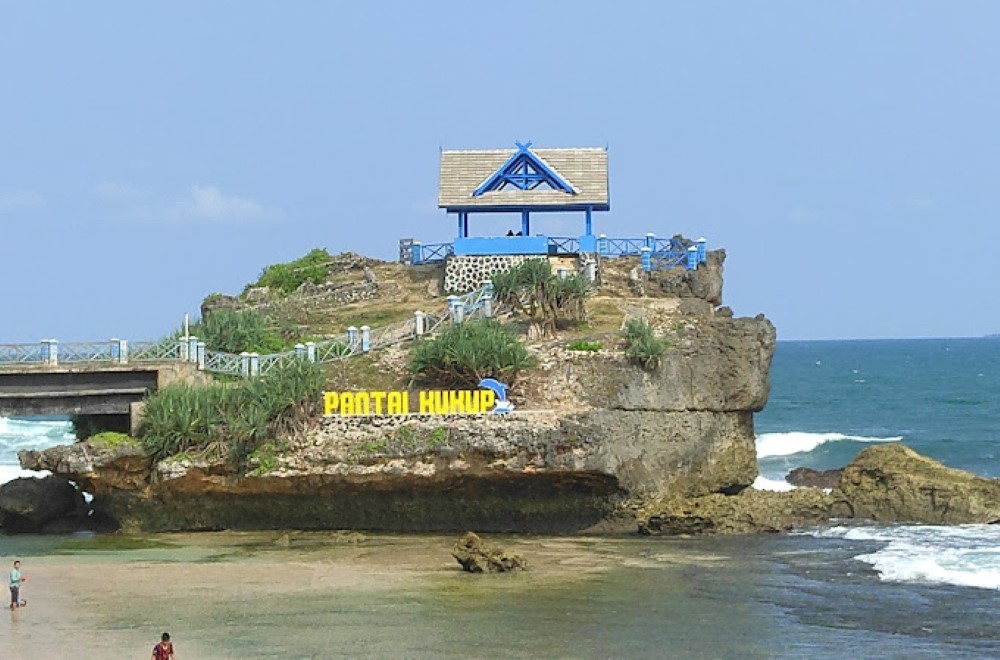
column 598, row 442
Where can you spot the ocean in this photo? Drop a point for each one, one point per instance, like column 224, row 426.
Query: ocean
column 842, row 589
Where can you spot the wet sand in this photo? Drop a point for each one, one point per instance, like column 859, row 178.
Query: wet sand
column 267, row 595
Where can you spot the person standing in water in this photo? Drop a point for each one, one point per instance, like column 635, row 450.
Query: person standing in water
column 15, row 585
column 165, row 649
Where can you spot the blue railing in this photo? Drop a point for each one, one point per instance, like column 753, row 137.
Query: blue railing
column 430, row 253
column 607, row 247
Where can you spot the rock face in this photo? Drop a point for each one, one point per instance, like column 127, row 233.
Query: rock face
column 593, row 437
column 810, row 478
column 894, row 483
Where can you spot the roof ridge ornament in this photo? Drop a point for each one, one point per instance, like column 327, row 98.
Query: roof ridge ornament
column 524, row 171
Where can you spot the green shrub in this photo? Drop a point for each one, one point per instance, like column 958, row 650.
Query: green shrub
column 466, row 353
column 541, row 297
column 587, row 346
column 642, row 347
column 230, row 418
column 235, row 331
column 286, row 278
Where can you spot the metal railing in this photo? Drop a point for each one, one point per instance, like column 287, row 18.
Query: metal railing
column 668, row 259
column 189, row 349
column 564, row 245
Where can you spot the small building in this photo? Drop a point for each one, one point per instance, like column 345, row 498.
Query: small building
column 525, row 181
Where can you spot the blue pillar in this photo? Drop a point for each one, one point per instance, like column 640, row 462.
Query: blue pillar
column 525, row 224
column 692, row 262
column 589, row 231
column 702, row 254
column 415, row 254
column 366, row 339
column 245, row 364
column 459, row 216
column 352, row 338
column 465, row 225
column 647, row 258
column 300, row 351
column 651, row 241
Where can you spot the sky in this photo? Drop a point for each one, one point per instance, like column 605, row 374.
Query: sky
column 845, row 154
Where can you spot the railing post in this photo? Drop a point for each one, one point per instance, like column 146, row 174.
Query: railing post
column 488, row 298
column 352, row 338
column 591, row 271
column 602, row 245
column 200, row 355
column 311, row 351
column 183, row 344
column 366, row 339
column 692, row 262
column 702, row 254
column 415, row 256
column 45, row 350
column 119, row 351
column 245, row 363
column 300, row 351
column 418, row 323
column 651, row 241
column 192, row 348
column 53, row 352
column 647, row 258
column 452, row 299
column 113, row 348
column 458, row 313
column 254, row 364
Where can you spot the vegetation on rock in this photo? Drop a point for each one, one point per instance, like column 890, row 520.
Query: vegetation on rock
column 541, row 297
column 642, row 346
column 235, row 331
column 230, row 418
column 465, row 353
column 286, row 278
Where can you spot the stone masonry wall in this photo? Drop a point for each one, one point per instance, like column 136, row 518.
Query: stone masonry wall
column 468, row 273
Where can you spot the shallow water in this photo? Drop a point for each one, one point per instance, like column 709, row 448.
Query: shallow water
column 319, row 596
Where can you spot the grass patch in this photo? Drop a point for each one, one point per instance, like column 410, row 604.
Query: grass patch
column 642, row 347
column 585, row 346
column 113, row 439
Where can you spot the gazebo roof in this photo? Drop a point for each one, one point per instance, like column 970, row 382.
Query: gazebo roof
column 524, row 179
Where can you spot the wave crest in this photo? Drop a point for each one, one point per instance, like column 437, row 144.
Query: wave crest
column 800, row 442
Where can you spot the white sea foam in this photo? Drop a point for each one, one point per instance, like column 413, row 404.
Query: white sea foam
column 962, row 555
column 763, row 483
column 800, row 442
column 18, row 434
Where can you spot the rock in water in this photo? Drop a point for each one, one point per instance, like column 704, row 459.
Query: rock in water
column 477, row 557
column 894, row 483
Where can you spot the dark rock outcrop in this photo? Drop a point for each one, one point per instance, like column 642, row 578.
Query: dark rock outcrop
column 29, row 503
column 476, row 556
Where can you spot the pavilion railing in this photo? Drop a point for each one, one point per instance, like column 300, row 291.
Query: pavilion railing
column 415, row 253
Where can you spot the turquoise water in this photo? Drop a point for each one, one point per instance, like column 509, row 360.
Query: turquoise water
column 939, row 396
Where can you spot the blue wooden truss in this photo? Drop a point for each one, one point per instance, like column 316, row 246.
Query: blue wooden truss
column 524, row 171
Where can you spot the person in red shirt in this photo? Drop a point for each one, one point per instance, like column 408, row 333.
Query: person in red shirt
column 165, row 649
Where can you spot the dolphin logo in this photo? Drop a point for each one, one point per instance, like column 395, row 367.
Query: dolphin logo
column 500, row 390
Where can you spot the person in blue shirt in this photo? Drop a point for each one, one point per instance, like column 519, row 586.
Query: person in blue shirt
column 15, row 585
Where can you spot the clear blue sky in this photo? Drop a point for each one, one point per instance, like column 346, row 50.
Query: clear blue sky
column 846, row 154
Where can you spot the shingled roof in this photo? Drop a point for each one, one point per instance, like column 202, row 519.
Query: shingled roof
column 585, row 169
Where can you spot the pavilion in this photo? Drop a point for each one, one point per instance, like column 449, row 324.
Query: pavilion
column 524, row 181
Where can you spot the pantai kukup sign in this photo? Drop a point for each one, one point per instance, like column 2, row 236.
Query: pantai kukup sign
column 491, row 398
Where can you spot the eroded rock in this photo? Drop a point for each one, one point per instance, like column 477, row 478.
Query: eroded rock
column 29, row 503
column 476, row 556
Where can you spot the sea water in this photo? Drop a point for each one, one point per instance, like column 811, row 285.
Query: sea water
column 841, row 589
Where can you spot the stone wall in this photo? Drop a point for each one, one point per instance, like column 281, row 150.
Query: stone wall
column 468, row 273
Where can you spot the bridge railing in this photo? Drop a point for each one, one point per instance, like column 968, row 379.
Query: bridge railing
column 21, row 353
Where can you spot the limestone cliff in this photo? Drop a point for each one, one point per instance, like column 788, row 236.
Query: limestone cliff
column 594, row 436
